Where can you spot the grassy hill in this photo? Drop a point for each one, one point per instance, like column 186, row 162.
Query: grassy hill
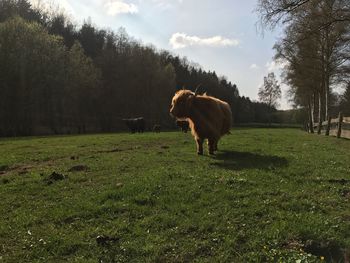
column 269, row 195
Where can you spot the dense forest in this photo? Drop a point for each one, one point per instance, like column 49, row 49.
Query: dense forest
column 58, row 78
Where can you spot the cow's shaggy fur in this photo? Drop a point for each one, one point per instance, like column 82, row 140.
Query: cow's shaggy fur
column 157, row 128
column 135, row 124
column 208, row 117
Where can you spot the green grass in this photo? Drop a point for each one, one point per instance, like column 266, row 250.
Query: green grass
column 269, row 195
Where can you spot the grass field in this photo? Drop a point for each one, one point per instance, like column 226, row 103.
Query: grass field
column 269, row 195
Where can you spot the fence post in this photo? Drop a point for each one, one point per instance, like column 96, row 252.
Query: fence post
column 328, row 125
column 340, row 120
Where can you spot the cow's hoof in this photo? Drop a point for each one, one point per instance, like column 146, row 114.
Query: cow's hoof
column 211, row 153
column 200, row 153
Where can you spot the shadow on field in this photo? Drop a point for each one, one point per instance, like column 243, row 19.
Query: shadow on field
column 234, row 160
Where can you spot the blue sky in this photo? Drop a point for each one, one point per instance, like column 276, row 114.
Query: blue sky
column 219, row 35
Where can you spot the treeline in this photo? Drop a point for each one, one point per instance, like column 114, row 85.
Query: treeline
column 315, row 48
column 58, row 78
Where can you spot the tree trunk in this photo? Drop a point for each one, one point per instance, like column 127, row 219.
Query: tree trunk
column 311, row 119
column 327, row 84
column 326, row 98
column 327, row 73
column 313, row 106
column 329, row 123
column 319, row 128
column 340, row 121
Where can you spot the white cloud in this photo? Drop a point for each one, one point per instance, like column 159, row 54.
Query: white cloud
column 66, row 5
column 254, row 66
column 56, row 5
column 181, row 40
column 167, row 1
column 271, row 66
column 115, row 7
column 275, row 65
column 162, row 4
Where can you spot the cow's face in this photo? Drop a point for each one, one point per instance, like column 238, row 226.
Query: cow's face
column 181, row 104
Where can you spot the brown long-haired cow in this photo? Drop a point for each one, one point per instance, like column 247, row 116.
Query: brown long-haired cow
column 208, row 117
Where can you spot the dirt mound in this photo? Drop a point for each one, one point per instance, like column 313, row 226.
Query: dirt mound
column 331, row 251
column 78, row 168
column 54, row 177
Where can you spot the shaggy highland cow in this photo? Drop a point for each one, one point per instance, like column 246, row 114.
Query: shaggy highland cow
column 208, row 117
column 183, row 125
column 157, row 128
column 135, row 124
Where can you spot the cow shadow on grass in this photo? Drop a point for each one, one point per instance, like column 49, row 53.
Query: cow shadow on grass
column 234, row 160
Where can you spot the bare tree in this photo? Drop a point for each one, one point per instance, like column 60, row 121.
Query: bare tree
column 270, row 92
column 273, row 12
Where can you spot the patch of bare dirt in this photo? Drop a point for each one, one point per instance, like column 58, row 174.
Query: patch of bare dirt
column 20, row 169
column 164, row 147
column 78, row 168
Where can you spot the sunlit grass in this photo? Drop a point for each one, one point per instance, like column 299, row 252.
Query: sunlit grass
column 268, row 195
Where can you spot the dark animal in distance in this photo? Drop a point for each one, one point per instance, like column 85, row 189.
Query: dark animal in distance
column 209, row 118
column 156, row 128
column 183, row 125
column 135, row 124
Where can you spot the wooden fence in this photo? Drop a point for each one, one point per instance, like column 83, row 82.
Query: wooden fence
column 339, row 127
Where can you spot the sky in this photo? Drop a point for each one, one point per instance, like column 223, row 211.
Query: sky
column 219, row 35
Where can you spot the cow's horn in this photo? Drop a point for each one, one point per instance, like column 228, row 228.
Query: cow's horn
column 196, row 91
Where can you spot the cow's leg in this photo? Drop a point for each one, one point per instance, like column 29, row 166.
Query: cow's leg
column 199, row 146
column 216, row 145
column 211, row 145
